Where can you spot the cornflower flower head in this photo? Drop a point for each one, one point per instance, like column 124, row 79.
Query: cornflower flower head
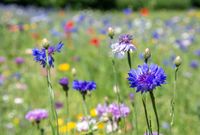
column 36, row 115
column 146, row 78
column 194, row 64
column 40, row 55
column 64, row 82
column 123, row 45
column 84, row 86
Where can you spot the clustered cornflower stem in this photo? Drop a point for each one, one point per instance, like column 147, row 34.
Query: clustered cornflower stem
column 51, row 97
column 134, row 106
column 40, row 129
column 146, row 115
column 173, row 98
column 155, row 111
column 86, row 114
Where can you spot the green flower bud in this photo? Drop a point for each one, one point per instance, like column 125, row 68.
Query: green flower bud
column 45, row 43
column 147, row 54
column 111, row 32
column 178, row 61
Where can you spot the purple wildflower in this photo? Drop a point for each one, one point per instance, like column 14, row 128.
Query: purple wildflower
column 64, row 82
column 40, row 55
column 2, row 59
column 197, row 52
column 36, row 115
column 19, row 60
column 118, row 111
column 194, row 64
column 58, row 105
column 146, row 78
column 123, row 45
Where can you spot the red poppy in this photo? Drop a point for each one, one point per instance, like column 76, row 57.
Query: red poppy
column 69, row 26
column 144, row 11
column 95, row 42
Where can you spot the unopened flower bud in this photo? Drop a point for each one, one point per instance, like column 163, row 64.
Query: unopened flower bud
column 178, row 61
column 116, row 89
column 73, row 71
column 147, row 54
column 45, row 43
column 111, row 32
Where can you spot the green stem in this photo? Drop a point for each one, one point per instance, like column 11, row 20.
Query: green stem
column 173, row 99
column 155, row 111
column 129, row 59
column 146, row 114
column 67, row 99
column 51, row 97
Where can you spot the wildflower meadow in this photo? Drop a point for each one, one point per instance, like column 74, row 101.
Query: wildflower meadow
column 91, row 72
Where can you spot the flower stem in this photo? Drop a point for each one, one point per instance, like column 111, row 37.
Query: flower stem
column 173, row 99
column 67, row 100
column 146, row 114
column 155, row 111
column 129, row 59
column 51, row 97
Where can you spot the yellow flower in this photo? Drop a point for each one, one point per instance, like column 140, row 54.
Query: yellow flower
column 70, row 126
column 67, row 127
column 64, row 67
column 60, row 122
column 100, row 125
column 93, row 112
column 16, row 121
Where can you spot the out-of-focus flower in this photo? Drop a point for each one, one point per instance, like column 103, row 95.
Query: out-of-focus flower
column 64, row 67
column 19, row 60
column 146, row 78
column 58, row 105
column 197, row 52
column 2, row 59
column 67, row 127
column 82, row 126
column 123, row 45
column 36, row 115
column 18, row 100
column 60, row 121
column 144, row 11
column 116, row 111
column 64, row 82
column 194, row 64
column 95, row 42
column 127, row 11
column 93, row 113
column 40, row 55
column 21, row 86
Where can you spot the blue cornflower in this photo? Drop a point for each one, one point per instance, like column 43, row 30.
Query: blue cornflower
column 146, row 78
column 40, row 55
column 84, row 86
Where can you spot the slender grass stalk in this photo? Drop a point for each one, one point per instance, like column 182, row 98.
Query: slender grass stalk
column 129, row 59
column 155, row 111
column 67, row 100
column 146, row 115
column 51, row 98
